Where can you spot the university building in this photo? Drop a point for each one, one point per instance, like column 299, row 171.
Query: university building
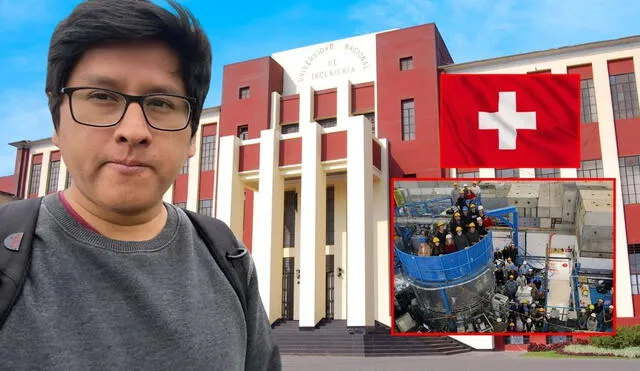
column 298, row 159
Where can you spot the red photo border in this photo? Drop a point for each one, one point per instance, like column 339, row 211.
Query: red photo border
column 494, row 334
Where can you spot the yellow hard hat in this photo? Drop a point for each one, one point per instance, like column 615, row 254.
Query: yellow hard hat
column 472, row 225
column 461, row 191
column 436, row 239
column 456, row 214
column 455, row 184
column 474, row 182
column 458, row 229
column 473, row 206
column 591, row 307
column 439, row 224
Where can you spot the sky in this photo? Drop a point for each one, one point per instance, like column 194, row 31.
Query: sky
column 243, row 30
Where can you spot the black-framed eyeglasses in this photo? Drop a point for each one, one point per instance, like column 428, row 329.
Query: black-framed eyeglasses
column 100, row 107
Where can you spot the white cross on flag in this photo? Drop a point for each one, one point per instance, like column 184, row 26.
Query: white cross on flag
column 509, row 121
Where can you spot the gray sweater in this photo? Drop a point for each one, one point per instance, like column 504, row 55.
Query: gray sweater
column 90, row 302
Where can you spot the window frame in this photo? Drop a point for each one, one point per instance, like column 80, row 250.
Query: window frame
column 408, row 119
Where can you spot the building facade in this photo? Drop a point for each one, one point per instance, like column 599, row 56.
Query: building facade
column 332, row 123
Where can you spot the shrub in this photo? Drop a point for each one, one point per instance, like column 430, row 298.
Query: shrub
column 545, row 347
column 590, row 350
column 626, row 337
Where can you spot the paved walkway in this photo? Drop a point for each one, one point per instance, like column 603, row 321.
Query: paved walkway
column 488, row 361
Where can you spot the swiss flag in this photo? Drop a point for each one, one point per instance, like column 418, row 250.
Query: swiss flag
column 509, row 121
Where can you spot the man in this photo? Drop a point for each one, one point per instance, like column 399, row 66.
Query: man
column 436, row 248
column 482, row 231
column 460, row 239
column 119, row 280
column 608, row 319
column 454, row 193
column 455, row 223
column 511, row 288
column 473, row 214
column 486, row 221
column 466, row 217
column 472, row 235
column 440, row 231
column 461, row 200
column 475, row 188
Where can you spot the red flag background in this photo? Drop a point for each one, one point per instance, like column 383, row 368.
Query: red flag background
column 554, row 98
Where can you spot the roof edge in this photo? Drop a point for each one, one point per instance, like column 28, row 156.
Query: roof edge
column 542, row 53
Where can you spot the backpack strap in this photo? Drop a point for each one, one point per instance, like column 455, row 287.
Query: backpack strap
column 226, row 251
column 17, row 228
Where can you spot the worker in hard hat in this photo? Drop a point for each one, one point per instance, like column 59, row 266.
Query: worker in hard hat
column 472, row 235
column 436, row 248
column 511, row 288
column 592, row 322
column 455, row 193
column 468, row 193
column 486, row 221
column 499, row 325
column 608, row 319
column 449, row 245
column 460, row 201
column 440, row 231
column 524, row 268
column 482, row 231
column 582, row 319
column 460, row 239
column 475, row 188
column 473, row 212
column 599, row 306
column 455, row 222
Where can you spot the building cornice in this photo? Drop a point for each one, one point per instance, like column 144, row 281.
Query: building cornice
column 541, row 53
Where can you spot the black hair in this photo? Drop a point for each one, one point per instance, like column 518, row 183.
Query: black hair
column 98, row 22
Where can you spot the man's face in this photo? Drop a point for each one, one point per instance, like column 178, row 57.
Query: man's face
column 93, row 154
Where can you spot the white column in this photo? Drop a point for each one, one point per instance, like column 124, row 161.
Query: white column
column 312, row 229
column 193, row 178
column 44, row 173
column 340, row 257
column 381, row 287
column 268, row 217
column 487, row 173
column 568, row 173
column 359, row 272
column 527, row 173
column 306, row 100
column 63, row 175
column 610, row 166
column 275, row 111
column 343, row 108
column 230, row 207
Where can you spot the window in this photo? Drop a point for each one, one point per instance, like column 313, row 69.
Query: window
column 289, row 128
column 630, row 179
column 34, row 184
column 547, row 173
column 330, row 238
column 472, row 174
column 624, row 96
column 591, row 169
column 634, row 267
column 328, row 123
column 185, row 167
column 408, row 120
column 588, row 109
column 54, row 173
column 290, row 208
column 372, row 117
column 182, row 205
column 207, row 152
column 506, row 173
column 205, row 207
column 67, row 182
column 243, row 132
column 243, row 93
column 406, row 64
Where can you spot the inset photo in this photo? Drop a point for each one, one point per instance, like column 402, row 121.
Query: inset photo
column 503, row 256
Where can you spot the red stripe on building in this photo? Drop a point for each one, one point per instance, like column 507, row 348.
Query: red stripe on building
column 290, row 109
column 325, row 103
column 290, row 152
column 334, row 146
column 249, row 157
column 363, row 98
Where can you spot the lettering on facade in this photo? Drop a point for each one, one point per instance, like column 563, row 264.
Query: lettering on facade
column 333, row 61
